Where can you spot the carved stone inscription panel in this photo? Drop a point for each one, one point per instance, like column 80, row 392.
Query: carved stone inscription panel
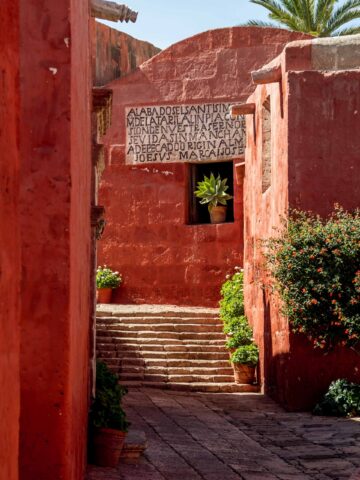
column 183, row 133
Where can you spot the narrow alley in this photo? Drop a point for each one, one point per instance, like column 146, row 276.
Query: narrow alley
column 196, row 436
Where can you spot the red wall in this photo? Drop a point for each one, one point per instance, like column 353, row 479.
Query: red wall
column 55, row 236
column 9, row 242
column 116, row 54
column 315, row 163
column 162, row 259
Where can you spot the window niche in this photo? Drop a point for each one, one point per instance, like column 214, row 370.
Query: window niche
column 266, row 145
column 199, row 214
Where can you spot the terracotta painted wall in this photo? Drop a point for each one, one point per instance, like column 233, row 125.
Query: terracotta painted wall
column 116, row 54
column 315, row 164
column 162, row 259
column 55, row 236
column 9, row 242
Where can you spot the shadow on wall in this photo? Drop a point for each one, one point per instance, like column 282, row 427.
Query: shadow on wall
column 301, row 384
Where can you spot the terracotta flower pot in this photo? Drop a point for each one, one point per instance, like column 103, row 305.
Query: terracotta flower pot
column 103, row 295
column 243, row 373
column 218, row 214
column 108, row 444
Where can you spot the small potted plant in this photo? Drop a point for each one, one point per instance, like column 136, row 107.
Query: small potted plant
column 244, row 361
column 212, row 191
column 108, row 420
column 106, row 282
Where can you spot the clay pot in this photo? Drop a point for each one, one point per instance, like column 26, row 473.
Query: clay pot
column 243, row 373
column 218, row 214
column 108, row 444
column 103, row 295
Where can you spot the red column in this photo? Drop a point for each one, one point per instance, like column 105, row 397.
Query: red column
column 9, row 242
column 55, row 237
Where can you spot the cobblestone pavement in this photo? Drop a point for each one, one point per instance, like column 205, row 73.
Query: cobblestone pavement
column 195, row 436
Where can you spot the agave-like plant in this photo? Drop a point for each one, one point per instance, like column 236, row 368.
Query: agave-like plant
column 320, row 18
column 213, row 191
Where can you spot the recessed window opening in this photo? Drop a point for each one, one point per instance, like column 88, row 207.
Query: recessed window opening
column 199, row 214
column 266, row 145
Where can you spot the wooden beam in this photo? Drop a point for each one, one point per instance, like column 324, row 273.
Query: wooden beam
column 267, row 75
column 112, row 11
column 242, row 109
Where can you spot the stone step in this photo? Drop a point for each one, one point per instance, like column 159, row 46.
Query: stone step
column 195, row 386
column 168, row 335
column 154, row 310
column 158, row 341
column 177, row 378
column 186, row 355
column 195, row 356
column 108, row 350
column 169, row 371
column 177, row 362
column 157, row 320
column 162, row 327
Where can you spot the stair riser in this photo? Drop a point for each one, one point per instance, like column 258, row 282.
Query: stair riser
column 170, row 371
column 156, row 320
column 168, row 314
column 163, row 335
column 164, row 327
column 162, row 342
column 120, row 351
column 141, row 362
column 178, row 378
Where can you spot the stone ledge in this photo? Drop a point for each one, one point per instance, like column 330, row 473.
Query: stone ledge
column 135, row 445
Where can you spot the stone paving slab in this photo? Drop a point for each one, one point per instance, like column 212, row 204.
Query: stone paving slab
column 193, row 436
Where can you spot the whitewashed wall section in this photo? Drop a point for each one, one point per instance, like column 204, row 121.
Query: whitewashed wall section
column 183, row 133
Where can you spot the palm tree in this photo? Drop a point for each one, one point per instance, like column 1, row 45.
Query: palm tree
column 321, row 18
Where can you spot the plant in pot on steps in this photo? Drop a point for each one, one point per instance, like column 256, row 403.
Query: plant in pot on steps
column 212, row 191
column 244, row 354
column 108, row 423
column 106, row 282
column 244, row 361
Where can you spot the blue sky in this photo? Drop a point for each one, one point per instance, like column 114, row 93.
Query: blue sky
column 164, row 22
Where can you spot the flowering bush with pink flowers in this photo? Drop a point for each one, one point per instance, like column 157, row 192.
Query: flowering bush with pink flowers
column 316, row 267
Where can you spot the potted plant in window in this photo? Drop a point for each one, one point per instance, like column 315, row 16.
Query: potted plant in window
column 108, row 420
column 212, row 191
column 106, row 282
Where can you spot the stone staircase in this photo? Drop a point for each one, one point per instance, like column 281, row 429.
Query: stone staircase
column 180, row 348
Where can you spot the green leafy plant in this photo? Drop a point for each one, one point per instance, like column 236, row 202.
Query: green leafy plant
column 238, row 332
column 232, row 313
column 316, row 266
column 106, row 278
column 212, row 191
column 246, row 355
column 342, row 399
column 106, row 411
column 232, row 297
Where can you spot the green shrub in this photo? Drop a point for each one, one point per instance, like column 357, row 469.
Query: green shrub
column 316, row 267
column 232, row 297
column 342, row 399
column 213, row 191
column 106, row 409
column 246, row 355
column 236, row 325
column 239, row 332
column 106, row 278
